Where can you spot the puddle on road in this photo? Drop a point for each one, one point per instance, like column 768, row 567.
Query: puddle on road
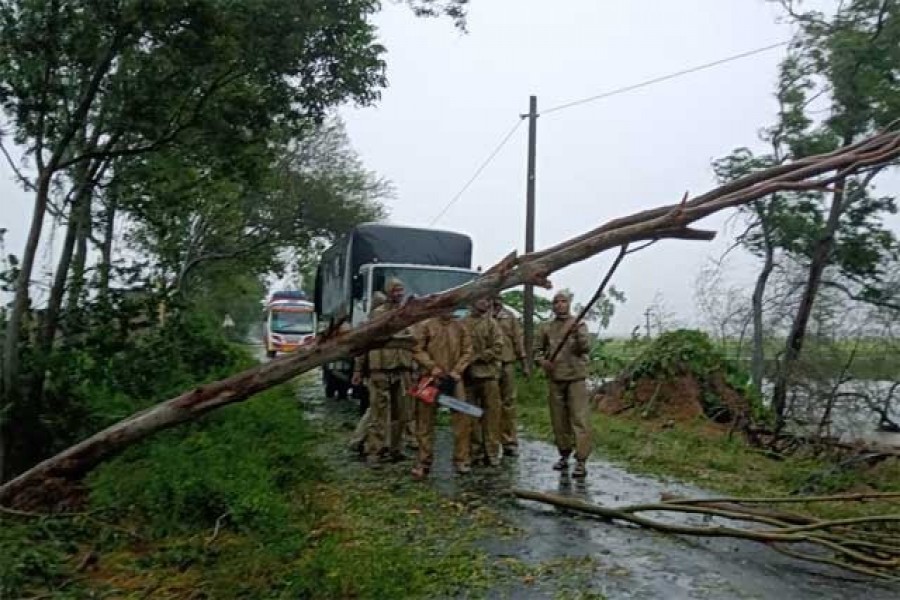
column 631, row 562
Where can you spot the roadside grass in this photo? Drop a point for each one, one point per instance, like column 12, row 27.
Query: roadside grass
column 247, row 504
column 706, row 456
column 257, row 501
column 872, row 358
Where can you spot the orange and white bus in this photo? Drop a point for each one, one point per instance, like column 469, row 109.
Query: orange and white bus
column 290, row 323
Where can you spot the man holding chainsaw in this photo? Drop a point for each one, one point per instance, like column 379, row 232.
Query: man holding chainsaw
column 513, row 351
column 567, row 371
column 389, row 374
column 483, row 380
column 443, row 351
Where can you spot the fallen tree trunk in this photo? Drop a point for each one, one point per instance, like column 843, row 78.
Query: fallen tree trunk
column 838, row 542
column 31, row 487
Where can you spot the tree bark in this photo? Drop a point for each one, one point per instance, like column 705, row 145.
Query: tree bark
column 83, row 231
column 9, row 378
column 794, row 344
column 666, row 222
column 58, row 291
column 851, row 548
column 106, row 248
column 21, row 304
column 21, row 297
column 758, row 363
column 81, row 196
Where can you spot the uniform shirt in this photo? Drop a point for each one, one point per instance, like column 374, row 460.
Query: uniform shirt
column 487, row 345
column 572, row 361
column 513, row 347
column 395, row 354
column 443, row 343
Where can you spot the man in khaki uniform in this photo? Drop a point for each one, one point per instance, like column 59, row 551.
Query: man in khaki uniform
column 357, row 441
column 443, row 350
column 389, row 370
column 569, row 408
column 483, row 381
column 513, row 351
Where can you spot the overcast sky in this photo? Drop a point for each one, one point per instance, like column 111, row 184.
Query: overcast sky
column 452, row 96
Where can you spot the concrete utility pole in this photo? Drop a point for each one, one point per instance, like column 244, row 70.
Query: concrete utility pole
column 528, row 304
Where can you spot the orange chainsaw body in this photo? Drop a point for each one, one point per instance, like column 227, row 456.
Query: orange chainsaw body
column 425, row 390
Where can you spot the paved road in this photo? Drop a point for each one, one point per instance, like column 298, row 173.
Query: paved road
column 635, row 563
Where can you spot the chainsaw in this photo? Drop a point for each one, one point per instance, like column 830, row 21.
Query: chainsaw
column 429, row 391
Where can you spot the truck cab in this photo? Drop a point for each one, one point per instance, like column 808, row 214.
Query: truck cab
column 356, row 267
column 418, row 280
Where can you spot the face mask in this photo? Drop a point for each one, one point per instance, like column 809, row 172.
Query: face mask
column 460, row 313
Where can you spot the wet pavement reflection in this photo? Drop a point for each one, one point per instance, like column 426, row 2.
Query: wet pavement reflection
column 631, row 562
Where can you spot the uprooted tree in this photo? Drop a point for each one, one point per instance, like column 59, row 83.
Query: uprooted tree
column 41, row 483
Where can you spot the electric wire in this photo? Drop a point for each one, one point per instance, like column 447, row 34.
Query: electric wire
column 478, row 171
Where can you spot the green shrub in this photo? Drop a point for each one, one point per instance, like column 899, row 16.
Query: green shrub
column 236, row 464
column 688, row 351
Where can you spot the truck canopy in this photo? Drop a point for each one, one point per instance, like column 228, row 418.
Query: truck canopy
column 371, row 243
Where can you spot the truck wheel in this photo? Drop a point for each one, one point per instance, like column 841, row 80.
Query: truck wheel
column 363, row 400
column 328, row 384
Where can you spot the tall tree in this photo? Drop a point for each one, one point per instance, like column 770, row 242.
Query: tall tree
column 87, row 82
column 855, row 54
column 836, row 63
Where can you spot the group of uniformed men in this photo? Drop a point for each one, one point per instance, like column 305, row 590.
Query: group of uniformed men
column 473, row 358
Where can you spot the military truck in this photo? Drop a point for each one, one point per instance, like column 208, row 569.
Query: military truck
column 357, row 266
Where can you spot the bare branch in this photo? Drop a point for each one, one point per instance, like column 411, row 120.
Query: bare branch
column 883, row 303
column 15, row 169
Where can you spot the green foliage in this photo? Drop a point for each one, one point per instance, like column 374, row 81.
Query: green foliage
column 238, row 462
column 691, row 352
column 113, row 371
column 267, row 207
column 837, row 84
column 294, row 519
column 35, row 552
column 601, row 312
column 676, row 352
column 543, row 307
column 166, row 69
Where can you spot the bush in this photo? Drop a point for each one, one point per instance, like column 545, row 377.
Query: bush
column 237, row 462
column 691, row 352
column 101, row 380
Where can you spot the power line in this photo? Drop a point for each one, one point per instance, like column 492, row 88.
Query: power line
column 608, row 94
column 649, row 82
column 478, row 171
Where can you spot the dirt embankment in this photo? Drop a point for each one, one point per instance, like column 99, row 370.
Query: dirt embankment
column 681, row 377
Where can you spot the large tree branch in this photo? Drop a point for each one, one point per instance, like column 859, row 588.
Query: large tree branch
column 669, row 221
column 195, row 262
column 87, row 100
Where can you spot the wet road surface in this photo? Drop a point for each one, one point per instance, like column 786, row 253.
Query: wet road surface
column 630, row 562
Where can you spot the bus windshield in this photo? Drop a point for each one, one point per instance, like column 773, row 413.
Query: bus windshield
column 283, row 321
column 421, row 282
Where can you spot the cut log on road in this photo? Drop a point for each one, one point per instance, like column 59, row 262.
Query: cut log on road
column 843, row 543
column 660, row 223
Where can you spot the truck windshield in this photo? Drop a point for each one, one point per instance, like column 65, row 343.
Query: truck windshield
column 421, row 282
column 291, row 322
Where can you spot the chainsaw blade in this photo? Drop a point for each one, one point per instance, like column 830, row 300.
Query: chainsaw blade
column 459, row 406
